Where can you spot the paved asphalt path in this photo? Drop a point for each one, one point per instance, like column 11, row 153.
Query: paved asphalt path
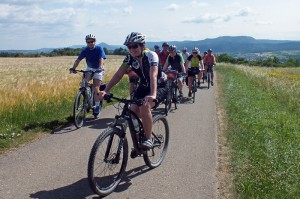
column 55, row 166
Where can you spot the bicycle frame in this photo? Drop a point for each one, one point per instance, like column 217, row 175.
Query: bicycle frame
column 127, row 114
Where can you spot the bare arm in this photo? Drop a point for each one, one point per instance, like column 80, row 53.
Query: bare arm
column 101, row 63
column 153, row 81
column 76, row 63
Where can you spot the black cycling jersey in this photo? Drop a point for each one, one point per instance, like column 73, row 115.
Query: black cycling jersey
column 176, row 62
column 149, row 59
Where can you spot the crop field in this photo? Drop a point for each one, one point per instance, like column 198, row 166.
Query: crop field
column 39, row 91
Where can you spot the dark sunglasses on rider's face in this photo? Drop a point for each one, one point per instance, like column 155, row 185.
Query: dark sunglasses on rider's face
column 134, row 46
column 90, row 42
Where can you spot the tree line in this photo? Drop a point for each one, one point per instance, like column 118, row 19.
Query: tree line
column 61, row 52
column 269, row 62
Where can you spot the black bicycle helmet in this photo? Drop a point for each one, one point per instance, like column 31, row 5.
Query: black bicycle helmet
column 172, row 48
column 165, row 44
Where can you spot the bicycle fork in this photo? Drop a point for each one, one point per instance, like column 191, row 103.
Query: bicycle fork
column 116, row 158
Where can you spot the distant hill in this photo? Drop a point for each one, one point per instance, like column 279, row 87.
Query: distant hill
column 235, row 44
column 232, row 45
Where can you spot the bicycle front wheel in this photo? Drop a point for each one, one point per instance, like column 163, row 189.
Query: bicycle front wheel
column 168, row 101
column 194, row 87
column 79, row 109
column 160, row 134
column 107, row 161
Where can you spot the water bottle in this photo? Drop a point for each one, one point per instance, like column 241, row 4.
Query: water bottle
column 89, row 92
column 135, row 124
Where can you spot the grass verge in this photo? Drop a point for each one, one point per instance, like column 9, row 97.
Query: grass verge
column 262, row 134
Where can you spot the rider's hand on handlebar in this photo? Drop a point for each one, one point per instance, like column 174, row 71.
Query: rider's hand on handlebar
column 72, row 70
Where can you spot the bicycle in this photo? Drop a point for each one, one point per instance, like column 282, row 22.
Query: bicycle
column 84, row 100
column 109, row 155
column 194, row 82
column 209, row 74
column 172, row 88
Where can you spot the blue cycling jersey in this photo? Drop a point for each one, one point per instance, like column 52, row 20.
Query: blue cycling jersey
column 92, row 57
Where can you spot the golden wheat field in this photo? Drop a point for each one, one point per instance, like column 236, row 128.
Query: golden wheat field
column 26, row 81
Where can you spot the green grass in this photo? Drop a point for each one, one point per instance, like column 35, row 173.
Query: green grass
column 18, row 123
column 263, row 136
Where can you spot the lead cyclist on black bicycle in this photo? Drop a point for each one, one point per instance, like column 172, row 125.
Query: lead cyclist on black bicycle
column 94, row 56
column 145, row 64
column 175, row 60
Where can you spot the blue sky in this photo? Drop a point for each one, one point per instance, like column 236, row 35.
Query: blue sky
column 33, row 24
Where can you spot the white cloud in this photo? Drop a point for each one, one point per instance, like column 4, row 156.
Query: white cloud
column 208, row 18
column 245, row 12
column 128, row 10
column 263, row 22
column 172, row 7
column 198, row 4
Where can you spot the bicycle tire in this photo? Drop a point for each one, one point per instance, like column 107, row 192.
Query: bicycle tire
column 151, row 158
column 168, row 101
column 104, row 185
column 79, row 109
column 194, row 87
column 208, row 79
column 175, row 95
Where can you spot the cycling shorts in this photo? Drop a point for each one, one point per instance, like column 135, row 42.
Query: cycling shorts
column 193, row 71
column 97, row 76
column 143, row 91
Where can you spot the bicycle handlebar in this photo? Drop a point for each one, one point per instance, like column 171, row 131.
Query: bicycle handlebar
column 93, row 71
column 139, row 102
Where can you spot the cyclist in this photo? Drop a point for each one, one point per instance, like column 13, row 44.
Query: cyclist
column 209, row 62
column 145, row 64
column 204, row 72
column 163, row 54
column 156, row 49
column 175, row 60
column 94, row 56
column 194, row 61
column 185, row 54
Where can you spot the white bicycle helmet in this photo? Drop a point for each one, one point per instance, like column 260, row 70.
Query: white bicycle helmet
column 195, row 50
column 135, row 37
column 90, row 36
column 184, row 49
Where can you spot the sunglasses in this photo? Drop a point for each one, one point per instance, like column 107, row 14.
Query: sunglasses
column 133, row 46
column 195, row 53
column 90, row 42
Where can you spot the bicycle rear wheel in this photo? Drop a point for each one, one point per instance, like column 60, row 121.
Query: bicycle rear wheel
column 79, row 109
column 160, row 134
column 107, row 161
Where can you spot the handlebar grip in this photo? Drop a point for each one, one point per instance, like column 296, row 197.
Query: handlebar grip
column 108, row 97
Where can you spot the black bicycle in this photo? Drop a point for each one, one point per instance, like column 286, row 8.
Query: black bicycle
column 84, row 100
column 172, row 89
column 109, row 155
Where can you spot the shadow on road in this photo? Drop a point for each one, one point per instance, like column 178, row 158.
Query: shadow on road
column 100, row 123
column 81, row 189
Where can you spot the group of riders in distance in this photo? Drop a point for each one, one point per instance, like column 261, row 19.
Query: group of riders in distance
column 146, row 70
